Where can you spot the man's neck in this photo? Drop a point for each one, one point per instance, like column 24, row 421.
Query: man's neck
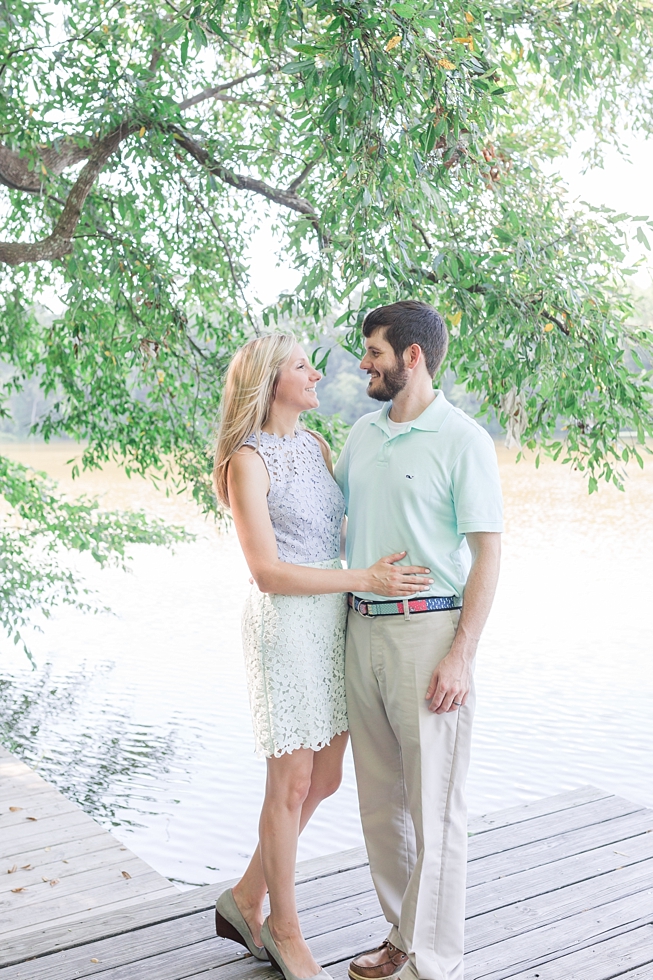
column 409, row 404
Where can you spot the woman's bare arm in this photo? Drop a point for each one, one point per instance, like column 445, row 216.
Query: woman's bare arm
column 248, row 485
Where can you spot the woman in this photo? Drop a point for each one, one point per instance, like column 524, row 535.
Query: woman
column 277, row 479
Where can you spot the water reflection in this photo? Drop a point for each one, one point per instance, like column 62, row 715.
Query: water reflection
column 93, row 752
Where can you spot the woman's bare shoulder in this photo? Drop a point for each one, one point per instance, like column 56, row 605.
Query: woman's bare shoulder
column 246, row 461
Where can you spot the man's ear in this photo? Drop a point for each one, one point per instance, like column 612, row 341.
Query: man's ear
column 412, row 356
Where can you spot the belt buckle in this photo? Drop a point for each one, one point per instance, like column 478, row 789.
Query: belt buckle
column 366, row 614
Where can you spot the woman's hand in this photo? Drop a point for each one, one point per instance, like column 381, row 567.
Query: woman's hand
column 386, row 578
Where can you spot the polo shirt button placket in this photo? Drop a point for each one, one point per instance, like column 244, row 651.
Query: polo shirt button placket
column 384, row 454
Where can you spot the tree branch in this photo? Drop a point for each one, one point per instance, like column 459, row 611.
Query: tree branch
column 210, row 93
column 59, row 241
column 244, row 100
column 14, row 168
column 301, row 177
column 15, row 172
column 553, row 319
column 286, row 198
column 425, row 237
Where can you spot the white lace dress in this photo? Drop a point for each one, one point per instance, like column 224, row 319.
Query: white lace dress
column 294, row 646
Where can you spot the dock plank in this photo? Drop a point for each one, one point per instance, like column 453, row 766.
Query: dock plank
column 338, row 944
column 174, row 914
column 559, row 889
column 48, row 833
column 182, row 934
column 554, row 848
column 34, row 808
column 22, row 786
column 62, row 865
column 601, row 961
column 536, row 808
column 590, row 865
column 557, row 905
column 83, row 849
column 528, row 950
column 551, row 824
column 81, row 881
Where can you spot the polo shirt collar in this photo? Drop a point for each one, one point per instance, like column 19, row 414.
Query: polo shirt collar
column 430, row 420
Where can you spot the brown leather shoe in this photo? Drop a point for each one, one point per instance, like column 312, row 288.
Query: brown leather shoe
column 378, row 964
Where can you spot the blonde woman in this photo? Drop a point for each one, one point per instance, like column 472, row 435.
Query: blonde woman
column 276, row 478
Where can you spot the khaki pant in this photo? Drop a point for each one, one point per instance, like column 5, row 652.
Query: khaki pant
column 411, row 766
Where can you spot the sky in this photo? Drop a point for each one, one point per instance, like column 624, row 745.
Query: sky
column 625, row 183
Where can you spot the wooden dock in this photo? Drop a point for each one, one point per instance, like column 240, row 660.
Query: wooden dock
column 560, row 889
column 58, row 866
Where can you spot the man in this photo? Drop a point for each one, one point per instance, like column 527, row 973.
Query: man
column 421, row 476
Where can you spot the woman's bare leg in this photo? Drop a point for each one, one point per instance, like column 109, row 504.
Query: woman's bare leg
column 325, row 777
column 287, row 789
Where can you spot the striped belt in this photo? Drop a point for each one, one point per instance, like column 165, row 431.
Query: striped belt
column 431, row 603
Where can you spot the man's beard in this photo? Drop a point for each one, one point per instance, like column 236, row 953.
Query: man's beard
column 393, row 381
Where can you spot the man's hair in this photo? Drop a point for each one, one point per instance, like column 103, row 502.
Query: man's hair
column 411, row 322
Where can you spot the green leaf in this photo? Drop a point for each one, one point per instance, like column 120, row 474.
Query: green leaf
column 293, row 67
column 199, row 37
column 174, row 33
column 404, row 10
column 183, row 53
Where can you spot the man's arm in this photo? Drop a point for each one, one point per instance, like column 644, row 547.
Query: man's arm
column 452, row 677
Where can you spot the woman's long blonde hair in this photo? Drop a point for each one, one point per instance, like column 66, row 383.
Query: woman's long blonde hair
column 248, row 393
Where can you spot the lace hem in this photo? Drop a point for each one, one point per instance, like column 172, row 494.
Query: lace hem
column 286, row 750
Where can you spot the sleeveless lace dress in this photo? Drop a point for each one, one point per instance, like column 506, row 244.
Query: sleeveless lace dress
column 294, row 646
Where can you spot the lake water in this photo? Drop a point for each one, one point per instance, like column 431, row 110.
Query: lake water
column 141, row 715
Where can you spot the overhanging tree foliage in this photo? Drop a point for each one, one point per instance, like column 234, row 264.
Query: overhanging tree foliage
column 399, row 148
column 41, row 524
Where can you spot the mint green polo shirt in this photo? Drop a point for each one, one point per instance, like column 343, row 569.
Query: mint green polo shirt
column 420, row 491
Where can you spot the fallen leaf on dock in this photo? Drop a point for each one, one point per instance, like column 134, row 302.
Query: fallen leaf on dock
column 125, row 874
column 18, row 889
column 10, row 871
column 31, row 818
column 53, row 882
column 26, row 867
column 15, row 809
column 94, row 959
column 47, row 848
column 44, row 879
